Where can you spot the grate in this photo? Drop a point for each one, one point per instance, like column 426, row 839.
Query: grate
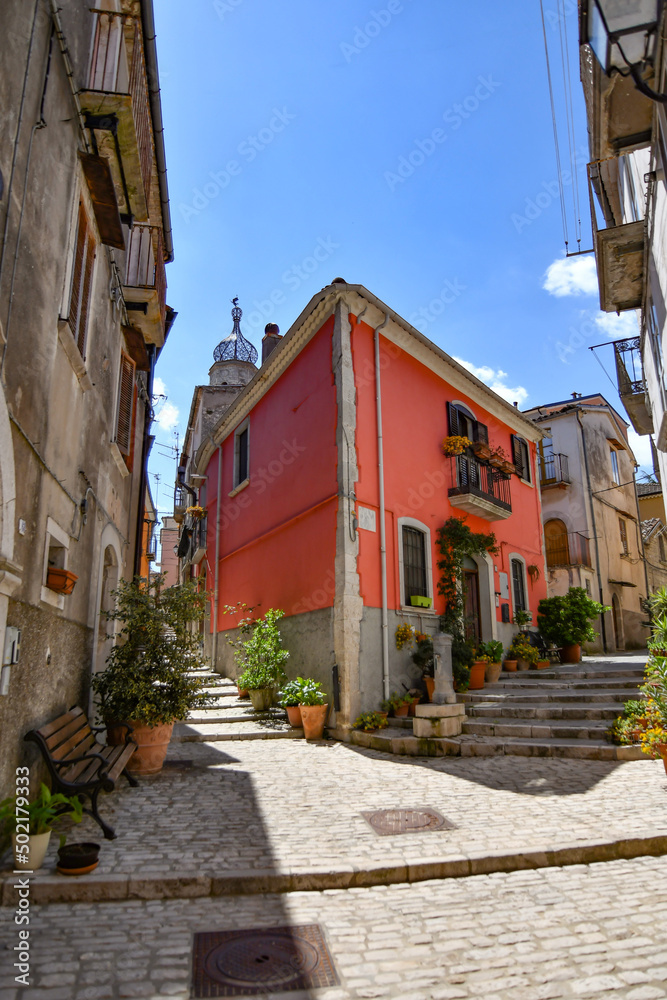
column 265, row 960
column 389, row 822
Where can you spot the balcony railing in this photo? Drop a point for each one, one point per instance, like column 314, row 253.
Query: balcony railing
column 554, row 470
column 145, row 287
column 181, row 502
column 151, row 547
column 571, row 549
column 480, row 489
column 631, row 384
column 116, row 85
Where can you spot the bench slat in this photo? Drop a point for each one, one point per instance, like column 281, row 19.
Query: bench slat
column 81, row 738
column 76, row 772
column 71, row 749
column 91, row 769
column 74, row 726
column 62, row 720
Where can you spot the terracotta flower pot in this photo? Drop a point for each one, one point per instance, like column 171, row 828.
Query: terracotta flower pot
column 261, row 698
column 662, row 749
column 413, row 705
column 477, row 672
column 294, row 715
column 152, row 745
column 522, row 665
column 314, row 718
column 401, row 710
column 430, row 687
column 492, row 672
column 570, row 653
column 62, row 581
column 510, row 665
column 242, row 692
column 543, row 664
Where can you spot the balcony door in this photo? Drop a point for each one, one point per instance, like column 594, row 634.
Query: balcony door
column 556, row 542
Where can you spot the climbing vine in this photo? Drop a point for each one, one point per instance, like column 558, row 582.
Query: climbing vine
column 455, row 541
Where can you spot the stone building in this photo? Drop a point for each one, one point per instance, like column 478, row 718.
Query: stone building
column 84, row 216
column 654, row 533
column 589, row 510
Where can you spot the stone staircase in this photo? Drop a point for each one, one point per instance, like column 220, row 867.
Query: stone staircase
column 564, row 711
column 230, row 717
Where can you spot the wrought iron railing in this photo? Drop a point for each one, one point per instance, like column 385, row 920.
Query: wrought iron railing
column 181, row 499
column 472, row 477
column 554, row 468
column 568, row 549
column 110, row 73
column 629, row 368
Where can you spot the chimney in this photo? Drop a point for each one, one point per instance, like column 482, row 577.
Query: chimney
column 271, row 339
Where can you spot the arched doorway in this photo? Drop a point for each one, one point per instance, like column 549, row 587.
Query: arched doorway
column 105, row 629
column 471, row 603
column 556, row 543
column 617, row 618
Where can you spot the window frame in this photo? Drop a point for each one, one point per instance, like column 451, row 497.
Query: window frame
column 515, row 558
column 411, row 522
column 521, row 446
column 56, row 534
column 81, row 277
column 623, row 529
column 126, row 449
column 239, row 482
column 615, row 470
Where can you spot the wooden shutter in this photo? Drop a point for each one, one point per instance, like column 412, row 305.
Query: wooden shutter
column 481, row 432
column 520, row 457
column 125, row 405
column 453, row 415
column 82, row 273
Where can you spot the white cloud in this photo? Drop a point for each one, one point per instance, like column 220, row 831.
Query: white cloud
column 617, row 327
column 496, row 381
column 571, row 276
column 166, row 413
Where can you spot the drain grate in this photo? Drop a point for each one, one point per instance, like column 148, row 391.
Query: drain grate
column 251, row 962
column 393, row 821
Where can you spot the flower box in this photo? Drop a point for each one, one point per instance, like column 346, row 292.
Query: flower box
column 62, row 581
column 421, row 602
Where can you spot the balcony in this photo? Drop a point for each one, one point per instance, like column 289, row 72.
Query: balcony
column 181, row 503
column 554, row 472
column 115, row 105
column 571, row 549
column 198, row 547
column 631, row 384
column 151, row 547
column 619, row 248
column 480, row 489
column 145, row 285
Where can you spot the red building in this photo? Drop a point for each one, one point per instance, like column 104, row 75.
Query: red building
column 324, row 484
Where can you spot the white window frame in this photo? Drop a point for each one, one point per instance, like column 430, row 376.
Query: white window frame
column 410, row 522
column 520, row 558
column 55, row 532
column 237, row 483
column 615, row 468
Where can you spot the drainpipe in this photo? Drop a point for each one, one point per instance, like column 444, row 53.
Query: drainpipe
column 146, row 444
column 150, row 52
column 595, row 533
column 640, row 537
column 216, row 584
column 383, row 533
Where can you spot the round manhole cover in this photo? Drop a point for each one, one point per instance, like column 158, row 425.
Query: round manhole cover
column 389, row 821
column 262, row 958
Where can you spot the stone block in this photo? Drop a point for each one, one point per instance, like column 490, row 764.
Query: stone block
column 436, row 728
column 169, row 887
column 439, row 711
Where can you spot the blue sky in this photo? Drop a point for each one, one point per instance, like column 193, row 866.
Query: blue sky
column 408, row 141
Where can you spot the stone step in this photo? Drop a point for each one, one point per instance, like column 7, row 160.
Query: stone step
column 187, row 732
column 243, row 712
column 524, row 680
column 545, row 728
column 396, row 740
column 580, row 672
column 544, row 696
column 491, row 746
column 510, row 710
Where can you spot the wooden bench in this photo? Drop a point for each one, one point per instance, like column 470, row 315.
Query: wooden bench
column 78, row 763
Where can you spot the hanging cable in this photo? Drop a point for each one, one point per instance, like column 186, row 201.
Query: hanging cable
column 603, row 369
column 555, row 131
column 569, row 112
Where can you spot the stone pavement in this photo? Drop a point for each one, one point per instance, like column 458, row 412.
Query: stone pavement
column 283, row 815
column 577, row 933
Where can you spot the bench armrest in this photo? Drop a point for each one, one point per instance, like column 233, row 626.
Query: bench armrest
column 77, row 760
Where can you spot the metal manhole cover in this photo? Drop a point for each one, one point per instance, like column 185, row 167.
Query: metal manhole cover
column 248, row 962
column 393, row 821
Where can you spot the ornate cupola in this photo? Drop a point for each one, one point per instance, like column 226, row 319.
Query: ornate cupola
column 234, row 358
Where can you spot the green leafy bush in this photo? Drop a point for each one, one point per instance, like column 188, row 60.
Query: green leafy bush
column 370, row 721
column 566, row 620
column 42, row 813
column 311, row 692
column 261, row 656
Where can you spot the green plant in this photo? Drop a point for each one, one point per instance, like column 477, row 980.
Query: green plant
column 148, row 675
column 522, row 618
column 566, row 620
column 658, row 639
column 493, row 649
column 657, row 602
column 625, row 729
column 42, row 813
column 311, row 692
column 522, row 649
column 369, row 721
column 290, row 695
column 423, row 655
column 463, row 657
column 261, row 656
column 455, row 541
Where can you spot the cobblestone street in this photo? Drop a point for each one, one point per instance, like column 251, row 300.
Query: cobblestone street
column 224, row 825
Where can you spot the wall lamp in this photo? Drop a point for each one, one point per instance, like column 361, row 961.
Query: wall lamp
column 623, row 35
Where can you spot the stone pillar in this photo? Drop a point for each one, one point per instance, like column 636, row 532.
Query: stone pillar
column 443, row 693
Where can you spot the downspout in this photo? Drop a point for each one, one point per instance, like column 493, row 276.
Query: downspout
column 383, row 532
column 640, row 536
column 153, row 80
column 595, row 533
column 145, row 451
column 216, row 572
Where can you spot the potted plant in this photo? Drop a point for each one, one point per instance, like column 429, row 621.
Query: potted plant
column 463, row 657
column 290, row 699
column 314, row 709
column 77, row 859
column 482, row 450
column 566, row 620
column 148, row 682
column 523, row 652
column 455, row 444
column 499, row 460
column 62, row 581
column 368, row 722
column 523, row 619
column 492, row 652
column 31, row 823
column 477, row 671
column 510, row 664
column 399, row 705
column 262, row 657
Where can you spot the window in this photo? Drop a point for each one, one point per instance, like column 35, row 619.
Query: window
column 414, row 563
column 518, row 586
column 82, row 276
column 624, row 536
column 547, row 460
column 588, row 586
column 661, row 547
column 126, row 406
column 521, row 457
column 615, row 478
column 462, row 422
column 241, row 454
column 55, row 556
